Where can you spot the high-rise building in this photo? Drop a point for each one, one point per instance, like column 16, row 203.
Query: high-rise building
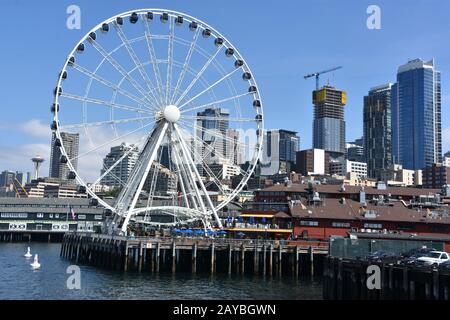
column 378, row 130
column 279, row 151
column 212, row 130
column 313, row 162
column 71, row 142
column 329, row 124
column 416, row 115
column 118, row 176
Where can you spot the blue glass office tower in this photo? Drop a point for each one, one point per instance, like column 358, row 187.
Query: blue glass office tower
column 416, row 115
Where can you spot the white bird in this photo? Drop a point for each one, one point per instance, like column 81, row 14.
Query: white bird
column 28, row 254
column 35, row 264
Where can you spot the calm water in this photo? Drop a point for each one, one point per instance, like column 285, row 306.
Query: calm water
column 19, row 281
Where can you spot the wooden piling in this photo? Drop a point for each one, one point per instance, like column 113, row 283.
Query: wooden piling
column 194, row 258
column 264, row 259
column 242, row 259
column 213, row 259
column 174, row 257
column 230, row 258
column 311, row 257
column 270, row 260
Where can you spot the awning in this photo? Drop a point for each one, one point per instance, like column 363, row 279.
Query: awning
column 282, row 215
column 256, row 215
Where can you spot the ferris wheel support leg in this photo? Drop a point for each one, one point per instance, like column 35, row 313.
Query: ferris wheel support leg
column 144, row 177
column 183, row 189
column 190, row 171
column 219, row 223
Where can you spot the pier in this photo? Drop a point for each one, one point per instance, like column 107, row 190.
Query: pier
column 196, row 255
column 347, row 279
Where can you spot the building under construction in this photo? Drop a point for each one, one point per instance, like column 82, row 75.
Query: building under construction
column 329, row 123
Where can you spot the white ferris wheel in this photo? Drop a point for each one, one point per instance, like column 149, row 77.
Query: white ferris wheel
column 173, row 88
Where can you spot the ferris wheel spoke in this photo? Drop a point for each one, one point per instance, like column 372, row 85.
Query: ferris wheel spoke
column 210, row 87
column 111, row 141
column 210, row 173
column 203, row 106
column 186, row 64
column 215, row 118
column 109, row 84
column 122, row 71
column 115, row 164
column 169, row 60
column 136, row 60
column 105, row 103
column 103, row 123
column 200, row 73
column 153, row 59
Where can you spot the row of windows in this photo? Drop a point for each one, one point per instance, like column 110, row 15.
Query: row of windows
column 335, row 224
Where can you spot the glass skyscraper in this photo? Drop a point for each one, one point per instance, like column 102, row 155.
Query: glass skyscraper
column 378, row 130
column 416, row 115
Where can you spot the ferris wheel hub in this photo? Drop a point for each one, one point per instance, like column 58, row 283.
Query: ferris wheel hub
column 171, row 113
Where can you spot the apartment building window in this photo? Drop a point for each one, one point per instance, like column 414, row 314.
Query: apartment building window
column 309, row 223
column 40, row 215
column 373, row 225
column 340, row 224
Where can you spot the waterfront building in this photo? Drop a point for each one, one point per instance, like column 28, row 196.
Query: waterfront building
column 118, row 176
column 313, row 162
column 329, row 123
column 416, row 115
column 50, row 215
column 319, row 211
column 378, row 130
column 279, row 151
column 436, row 176
column 71, row 142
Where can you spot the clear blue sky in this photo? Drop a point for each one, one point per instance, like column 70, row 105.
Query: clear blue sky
column 281, row 40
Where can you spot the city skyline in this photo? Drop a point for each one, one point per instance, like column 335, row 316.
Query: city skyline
column 30, row 135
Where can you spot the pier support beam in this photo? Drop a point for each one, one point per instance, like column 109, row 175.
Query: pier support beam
column 264, row 259
column 297, row 261
column 230, row 257
column 140, row 261
column 280, row 260
column 213, row 258
column 271, row 260
column 174, row 257
column 194, row 258
column 311, row 258
column 157, row 256
column 242, row 259
column 255, row 260
column 125, row 260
